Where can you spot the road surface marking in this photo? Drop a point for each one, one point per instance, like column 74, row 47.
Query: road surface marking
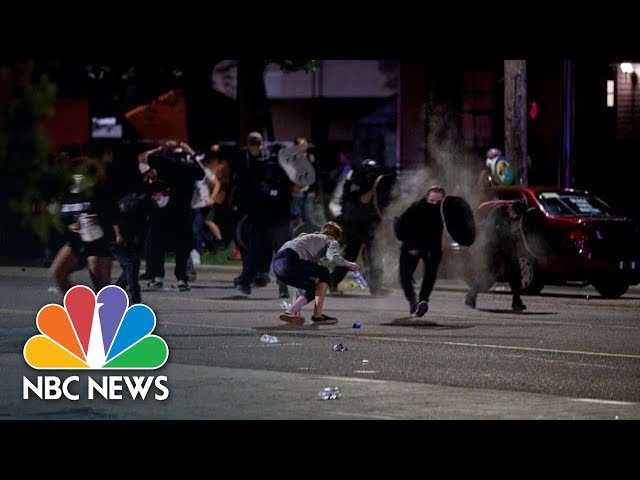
column 606, row 402
column 546, row 350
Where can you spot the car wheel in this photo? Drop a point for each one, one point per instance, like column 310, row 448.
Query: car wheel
column 611, row 288
column 532, row 283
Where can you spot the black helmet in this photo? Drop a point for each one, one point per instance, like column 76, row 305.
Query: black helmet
column 367, row 173
column 369, row 163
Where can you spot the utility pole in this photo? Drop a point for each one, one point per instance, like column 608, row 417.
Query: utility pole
column 515, row 117
column 568, row 99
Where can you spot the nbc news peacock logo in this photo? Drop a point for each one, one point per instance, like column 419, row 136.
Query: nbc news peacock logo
column 96, row 332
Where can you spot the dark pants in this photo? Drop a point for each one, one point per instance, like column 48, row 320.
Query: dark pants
column 201, row 235
column 147, row 246
column 355, row 239
column 172, row 228
column 129, row 260
column 408, row 263
column 501, row 257
column 291, row 270
column 265, row 237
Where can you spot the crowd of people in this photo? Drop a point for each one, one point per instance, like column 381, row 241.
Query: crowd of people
column 171, row 198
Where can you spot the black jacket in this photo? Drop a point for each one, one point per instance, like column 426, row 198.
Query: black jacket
column 500, row 232
column 263, row 188
column 420, row 226
column 180, row 172
column 134, row 209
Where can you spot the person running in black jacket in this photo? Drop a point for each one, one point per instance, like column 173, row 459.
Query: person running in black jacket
column 420, row 228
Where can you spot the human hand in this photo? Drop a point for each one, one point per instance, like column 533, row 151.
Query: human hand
column 171, row 144
column 187, row 147
column 352, row 266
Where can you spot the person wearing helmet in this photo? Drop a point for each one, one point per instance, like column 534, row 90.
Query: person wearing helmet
column 359, row 220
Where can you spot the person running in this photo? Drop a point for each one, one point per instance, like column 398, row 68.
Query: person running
column 297, row 264
column 499, row 244
column 420, row 228
column 89, row 213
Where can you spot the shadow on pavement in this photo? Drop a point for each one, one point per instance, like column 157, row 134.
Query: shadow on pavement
column 419, row 322
column 508, row 310
column 289, row 327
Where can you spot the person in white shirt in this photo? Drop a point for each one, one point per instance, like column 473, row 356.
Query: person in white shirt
column 297, row 264
column 200, row 205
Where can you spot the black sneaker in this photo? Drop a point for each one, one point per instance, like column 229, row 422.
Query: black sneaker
column 183, row 286
column 156, row 283
column 324, row 320
column 261, row 280
column 518, row 306
column 246, row 289
column 470, row 300
column 421, row 309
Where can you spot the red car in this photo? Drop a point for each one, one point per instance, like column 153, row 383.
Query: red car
column 573, row 238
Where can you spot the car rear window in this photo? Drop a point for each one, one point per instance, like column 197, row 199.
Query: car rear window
column 573, row 204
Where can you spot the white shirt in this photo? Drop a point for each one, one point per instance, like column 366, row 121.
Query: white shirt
column 312, row 247
column 202, row 190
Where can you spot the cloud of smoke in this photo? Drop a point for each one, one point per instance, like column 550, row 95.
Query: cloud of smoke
column 450, row 165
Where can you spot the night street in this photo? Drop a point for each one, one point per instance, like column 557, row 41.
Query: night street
column 570, row 355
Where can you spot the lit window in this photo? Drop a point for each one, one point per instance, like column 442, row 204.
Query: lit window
column 610, row 93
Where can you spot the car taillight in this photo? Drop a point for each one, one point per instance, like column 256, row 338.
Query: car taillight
column 578, row 239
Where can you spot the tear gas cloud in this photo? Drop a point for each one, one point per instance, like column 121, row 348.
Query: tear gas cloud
column 451, row 166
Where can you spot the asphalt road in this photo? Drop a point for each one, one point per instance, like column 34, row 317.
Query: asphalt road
column 570, row 355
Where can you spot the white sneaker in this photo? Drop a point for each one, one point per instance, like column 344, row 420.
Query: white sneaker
column 195, row 257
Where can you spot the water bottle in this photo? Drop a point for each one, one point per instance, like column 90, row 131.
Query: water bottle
column 268, row 339
column 339, row 347
column 329, row 393
column 360, row 280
